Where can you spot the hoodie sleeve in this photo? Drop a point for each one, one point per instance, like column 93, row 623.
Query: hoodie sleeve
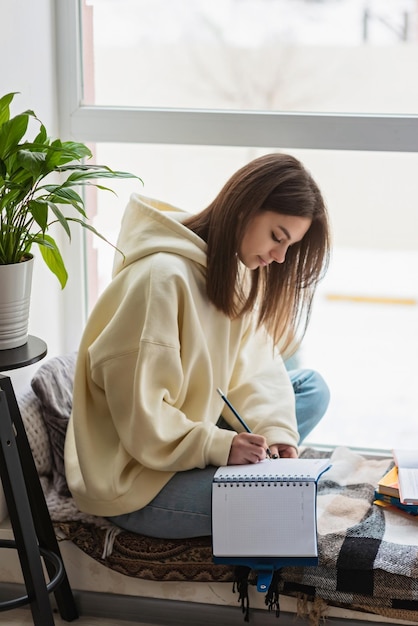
column 261, row 390
column 158, row 385
column 152, row 427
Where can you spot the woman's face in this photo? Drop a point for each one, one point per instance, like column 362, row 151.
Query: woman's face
column 268, row 237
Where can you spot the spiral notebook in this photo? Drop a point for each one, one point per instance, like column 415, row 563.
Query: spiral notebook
column 266, row 511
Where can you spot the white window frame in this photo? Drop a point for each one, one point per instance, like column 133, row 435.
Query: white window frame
column 323, row 131
column 329, row 131
column 241, row 128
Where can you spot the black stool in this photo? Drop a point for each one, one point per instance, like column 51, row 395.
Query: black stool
column 34, row 536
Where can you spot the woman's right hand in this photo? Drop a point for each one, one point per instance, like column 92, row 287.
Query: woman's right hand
column 247, row 448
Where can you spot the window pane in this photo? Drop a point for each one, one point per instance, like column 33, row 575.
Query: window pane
column 363, row 335
column 347, row 56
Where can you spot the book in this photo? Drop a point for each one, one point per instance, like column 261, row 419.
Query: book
column 265, row 513
column 388, row 484
column 407, row 464
column 392, row 501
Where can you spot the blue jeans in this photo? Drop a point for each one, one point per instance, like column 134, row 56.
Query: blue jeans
column 183, row 507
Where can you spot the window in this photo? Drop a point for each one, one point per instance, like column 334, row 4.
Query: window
column 341, row 99
column 282, row 55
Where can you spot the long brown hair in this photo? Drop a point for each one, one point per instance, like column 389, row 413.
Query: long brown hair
column 281, row 293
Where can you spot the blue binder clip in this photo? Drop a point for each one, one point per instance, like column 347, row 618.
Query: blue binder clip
column 264, row 578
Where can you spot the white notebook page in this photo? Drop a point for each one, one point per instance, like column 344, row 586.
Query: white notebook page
column 264, row 520
column 408, row 483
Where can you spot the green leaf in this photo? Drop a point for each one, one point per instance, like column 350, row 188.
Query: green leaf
column 52, row 257
column 85, row 183
column 42, row 136
column 60, row 218
column 71, row 195
column 60, row 193
column 19, row 182
column 39, row 210
column 11, row 133
column 79, row 150
column 61, row 153
column 104, row 172
column 94, row 231
column 5, row 108
column 53, row 157
column 32, row 162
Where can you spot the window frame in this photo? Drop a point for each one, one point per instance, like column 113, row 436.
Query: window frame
column 282, row 129
column 278, row 130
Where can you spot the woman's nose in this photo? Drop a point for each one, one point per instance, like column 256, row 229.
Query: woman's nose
column 279, row 254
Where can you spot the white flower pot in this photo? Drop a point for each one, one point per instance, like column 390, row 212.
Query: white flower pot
column 15, row 291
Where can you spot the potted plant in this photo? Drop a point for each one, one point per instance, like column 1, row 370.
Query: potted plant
column 39, row 180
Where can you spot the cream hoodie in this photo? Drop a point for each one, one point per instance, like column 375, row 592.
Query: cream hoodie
column 153, row 352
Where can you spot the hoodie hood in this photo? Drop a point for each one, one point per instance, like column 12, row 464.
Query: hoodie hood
column 150, row 226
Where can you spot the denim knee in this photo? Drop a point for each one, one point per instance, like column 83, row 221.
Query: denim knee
column 312, row 398
column 322, row 395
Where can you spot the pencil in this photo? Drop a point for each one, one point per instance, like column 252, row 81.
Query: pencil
column 238, row 416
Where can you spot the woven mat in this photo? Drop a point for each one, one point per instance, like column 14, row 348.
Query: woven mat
column 145, row 557
column 191, row 560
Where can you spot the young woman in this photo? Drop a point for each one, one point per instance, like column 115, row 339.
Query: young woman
column 198, row 303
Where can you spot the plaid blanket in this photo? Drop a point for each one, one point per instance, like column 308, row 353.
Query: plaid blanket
column 368, row 555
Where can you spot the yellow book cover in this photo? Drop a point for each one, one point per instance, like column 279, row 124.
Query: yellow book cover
column 388, row 484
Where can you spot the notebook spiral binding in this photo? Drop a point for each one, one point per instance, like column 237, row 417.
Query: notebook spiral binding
column 236, row 480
